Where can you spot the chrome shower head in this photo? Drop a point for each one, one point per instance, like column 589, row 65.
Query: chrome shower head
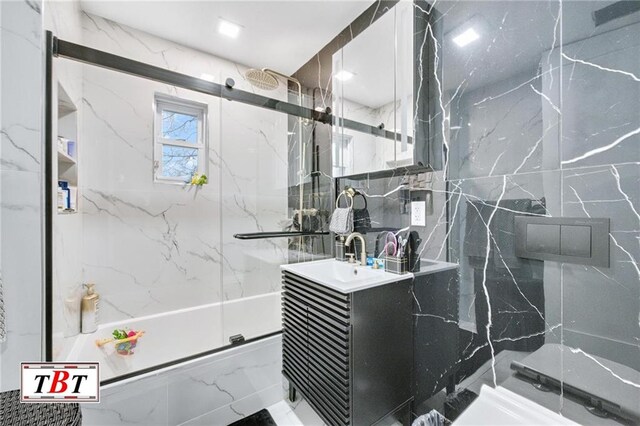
column 262, row 79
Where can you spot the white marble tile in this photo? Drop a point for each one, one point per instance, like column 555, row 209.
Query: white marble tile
column 154, row 247
column 225, row 382
column 151, row 252
column 21, row 86
column 134, row 405
column 238, row 409
column 20, row 265
column 246, row 379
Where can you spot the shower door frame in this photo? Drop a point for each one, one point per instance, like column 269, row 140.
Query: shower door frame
column 56, row 48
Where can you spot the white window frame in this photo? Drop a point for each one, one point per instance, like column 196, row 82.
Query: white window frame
column 183, row 106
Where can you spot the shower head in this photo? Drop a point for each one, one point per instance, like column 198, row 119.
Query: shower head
column 262, row 79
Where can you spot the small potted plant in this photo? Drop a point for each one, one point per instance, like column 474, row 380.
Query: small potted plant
column 199, row 179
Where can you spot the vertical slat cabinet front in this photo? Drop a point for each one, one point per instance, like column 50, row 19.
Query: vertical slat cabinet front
column 316, row 346
column 295, row 346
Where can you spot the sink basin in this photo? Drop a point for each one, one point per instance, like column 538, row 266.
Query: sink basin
column 342, row 271
column 342, row 276
column 347, row 277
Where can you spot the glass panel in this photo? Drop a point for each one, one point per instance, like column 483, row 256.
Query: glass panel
column 364, row 90
column 179, row 162
column 600, row 179
column 179, row 126
column 164, row 257
column 255, row 146
column 153, row 250
column 496, row 110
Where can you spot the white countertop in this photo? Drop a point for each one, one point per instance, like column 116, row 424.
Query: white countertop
column 348, row 277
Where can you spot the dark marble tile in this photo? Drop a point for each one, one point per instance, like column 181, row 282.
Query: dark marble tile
column 600, row 88
column 601, row 304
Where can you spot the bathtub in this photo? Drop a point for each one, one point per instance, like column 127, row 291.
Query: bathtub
column 179, row 334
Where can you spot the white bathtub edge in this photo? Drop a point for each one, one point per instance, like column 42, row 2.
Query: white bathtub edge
column 224, row 353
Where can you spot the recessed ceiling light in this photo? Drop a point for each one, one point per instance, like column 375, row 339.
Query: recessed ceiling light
column 228, row 29
column 344, row 75
column 466, row 37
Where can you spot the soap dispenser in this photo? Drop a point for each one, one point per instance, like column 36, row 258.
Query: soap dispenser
column 89, row 308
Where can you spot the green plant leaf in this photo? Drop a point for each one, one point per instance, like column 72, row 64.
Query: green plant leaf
column 119, row 334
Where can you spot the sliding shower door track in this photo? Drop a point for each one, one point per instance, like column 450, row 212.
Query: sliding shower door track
column 88, row 55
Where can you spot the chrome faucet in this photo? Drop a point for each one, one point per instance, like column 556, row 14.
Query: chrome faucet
column 363, row 253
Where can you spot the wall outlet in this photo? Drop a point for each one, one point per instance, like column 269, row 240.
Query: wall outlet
column 418, row 213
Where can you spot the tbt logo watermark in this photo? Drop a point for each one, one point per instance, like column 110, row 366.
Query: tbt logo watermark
column 60, row 382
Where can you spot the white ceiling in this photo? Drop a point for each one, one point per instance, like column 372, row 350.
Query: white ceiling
column 282, row 35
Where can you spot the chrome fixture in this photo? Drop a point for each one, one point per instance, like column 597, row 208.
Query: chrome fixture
column 363, row 252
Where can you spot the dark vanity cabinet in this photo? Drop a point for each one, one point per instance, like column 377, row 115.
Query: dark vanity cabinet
column 435, row 328
column 349, row 354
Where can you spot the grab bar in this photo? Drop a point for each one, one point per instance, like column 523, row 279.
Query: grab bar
column 277, row 234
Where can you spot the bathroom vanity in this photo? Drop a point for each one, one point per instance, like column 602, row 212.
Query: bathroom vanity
column 348, row 338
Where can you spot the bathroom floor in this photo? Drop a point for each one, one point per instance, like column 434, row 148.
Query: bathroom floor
column 298, row 413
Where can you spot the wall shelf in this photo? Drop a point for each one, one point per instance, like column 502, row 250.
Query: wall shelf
column 67, row 152
column 65, row 158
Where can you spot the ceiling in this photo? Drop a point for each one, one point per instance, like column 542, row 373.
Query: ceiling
column 282, row 35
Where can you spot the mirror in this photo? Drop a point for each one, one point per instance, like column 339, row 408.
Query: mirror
column 373, row 97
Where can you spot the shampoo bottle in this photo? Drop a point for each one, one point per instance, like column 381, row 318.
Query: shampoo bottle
column 89, row 307
column 60, row 198
column 67, row 194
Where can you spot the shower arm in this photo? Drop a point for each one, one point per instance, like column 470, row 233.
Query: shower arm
column 301, row 151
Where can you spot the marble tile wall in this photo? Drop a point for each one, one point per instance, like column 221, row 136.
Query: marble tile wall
column 219, row 389
column 20, row 185
column 239, row 137
column 540, row 118
column 600, row 162
column 388, row 204
column 554, row 133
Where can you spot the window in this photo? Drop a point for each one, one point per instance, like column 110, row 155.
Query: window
column 180, row 142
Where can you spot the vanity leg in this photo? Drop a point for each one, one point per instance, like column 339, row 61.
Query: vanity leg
column 292, row 393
